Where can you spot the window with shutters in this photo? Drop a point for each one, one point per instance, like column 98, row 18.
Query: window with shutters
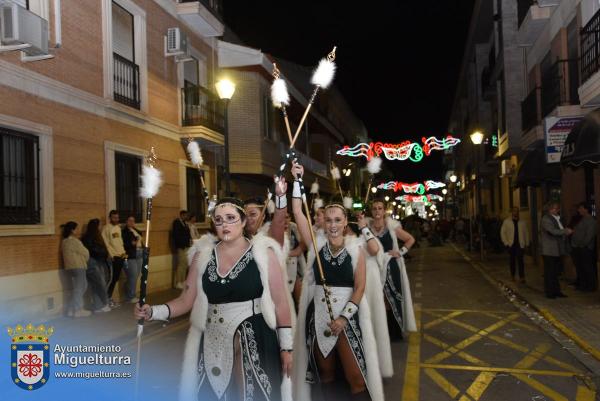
column 19, row 171
column 127, row 179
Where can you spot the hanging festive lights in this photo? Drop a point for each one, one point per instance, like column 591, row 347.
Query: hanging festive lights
column 412, row 151
column 411, row 188
column 419, row 198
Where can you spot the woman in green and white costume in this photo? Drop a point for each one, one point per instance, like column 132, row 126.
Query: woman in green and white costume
column 396, row 286
column 347, row 343
column 239, row 346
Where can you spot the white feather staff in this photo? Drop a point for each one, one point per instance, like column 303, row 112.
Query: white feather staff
column 319, row 203
column 348, row 202
column 374, row 167
column 151, row 182
column 281, row 98
column 195, row 154
column 322, row 78
column 335, row 174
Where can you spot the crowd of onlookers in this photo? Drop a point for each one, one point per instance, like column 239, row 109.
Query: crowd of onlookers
column 95, row 258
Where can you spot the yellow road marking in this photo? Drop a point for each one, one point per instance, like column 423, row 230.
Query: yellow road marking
column 569, row 333
column 513, row 345
column 478, row 387
column 442, row 319
column 474, row 338
column 585, row 394
column 410, row 390
column 441, row 381
column 467, row 357
column 501, row 370
column 518, row 324
column 467, row 311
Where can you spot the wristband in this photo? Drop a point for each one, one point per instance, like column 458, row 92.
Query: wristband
column 403, row 251
column 281, row 202
column 349, row 310
column 366, row 231
column 296, row 192
column 286, row 339
column 160, row 312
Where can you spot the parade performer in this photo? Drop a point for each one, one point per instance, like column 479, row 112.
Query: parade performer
column 334, row 328
column 296, row 262
column 396, row 287
column 375, row 257
column 239, row 346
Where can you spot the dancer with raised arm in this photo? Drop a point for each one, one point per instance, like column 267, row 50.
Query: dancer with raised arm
column 334, row 330
column 239, row 346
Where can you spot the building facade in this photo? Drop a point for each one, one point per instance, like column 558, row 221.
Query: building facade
column 78, row 119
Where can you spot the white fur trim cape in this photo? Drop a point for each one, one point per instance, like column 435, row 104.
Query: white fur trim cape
column 300, row 387
column 375, row 298
column 408, row 314
column 200, row 254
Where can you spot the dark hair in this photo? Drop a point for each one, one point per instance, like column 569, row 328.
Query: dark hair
column 584, row 205
column 130, row 215
column 254, row 201
column 112, row 212
column 182, row 212
column 68, row 228
column 92, row 231
column 236, row 202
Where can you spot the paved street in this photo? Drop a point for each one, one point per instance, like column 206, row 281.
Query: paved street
column 473, row 344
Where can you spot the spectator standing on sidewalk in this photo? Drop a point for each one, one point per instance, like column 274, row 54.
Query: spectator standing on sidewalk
column 182, row 240
column 111, row 234
column 92, row 240
column 553, row 239
column 515, row 237
column 75, row 258
column 583, row 243
column 195, row 234
column 132, row 242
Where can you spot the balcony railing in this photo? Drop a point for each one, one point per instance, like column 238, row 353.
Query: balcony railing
column 559, row 85
column 590, row 48
column 529, row 111
column 202, row 107
column 523, row 7
column 126, row 81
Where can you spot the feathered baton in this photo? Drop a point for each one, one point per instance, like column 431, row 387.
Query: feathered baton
column 336, row 176
column 193, row 150
column 321, row 78
column 374, row 167
column 151, row 181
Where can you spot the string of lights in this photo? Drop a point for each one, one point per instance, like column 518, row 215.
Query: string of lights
column 411, row 188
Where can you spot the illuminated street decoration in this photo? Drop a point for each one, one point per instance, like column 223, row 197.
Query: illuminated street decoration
column 411, row 188
column 419, row 198
column 412, row 151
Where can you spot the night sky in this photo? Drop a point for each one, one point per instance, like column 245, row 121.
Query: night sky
column 398, row 61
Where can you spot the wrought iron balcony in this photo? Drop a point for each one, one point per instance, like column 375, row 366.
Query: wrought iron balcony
column 126, row 81
column 202, row 107
column 529, row 111
column 590, row 47
column 559, row 85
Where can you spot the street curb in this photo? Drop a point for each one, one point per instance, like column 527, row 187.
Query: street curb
column 543, row 312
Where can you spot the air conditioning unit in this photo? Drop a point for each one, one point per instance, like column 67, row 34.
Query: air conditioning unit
column 176, row 42
column 20, row 29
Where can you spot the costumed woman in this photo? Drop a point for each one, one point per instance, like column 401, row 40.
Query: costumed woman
column 239, row 346
column 396, row 287
column 346, row 344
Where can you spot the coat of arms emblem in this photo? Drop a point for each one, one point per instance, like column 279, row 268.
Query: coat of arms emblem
column 30, row 355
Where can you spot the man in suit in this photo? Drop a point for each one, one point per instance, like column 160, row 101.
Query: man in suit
column 515, row 237
column 553, row 239
column 182, row 240
column 583, row 242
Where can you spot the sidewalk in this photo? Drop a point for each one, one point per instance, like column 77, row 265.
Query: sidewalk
column 577, row 316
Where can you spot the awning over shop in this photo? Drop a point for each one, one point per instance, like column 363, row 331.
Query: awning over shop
column 533, row 169
column 583, row 143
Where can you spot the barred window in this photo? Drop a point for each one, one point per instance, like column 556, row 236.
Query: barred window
column 127, row 173
column 19, row 169
column 194, row 195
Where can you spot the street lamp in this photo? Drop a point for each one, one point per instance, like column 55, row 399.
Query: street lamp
column 453, row 178
column 374, row 189
column 477, row 139
column 225, row 90
column 444, row 191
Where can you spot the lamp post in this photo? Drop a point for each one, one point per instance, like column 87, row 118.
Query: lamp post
column 225, row 90
column 477, row 139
